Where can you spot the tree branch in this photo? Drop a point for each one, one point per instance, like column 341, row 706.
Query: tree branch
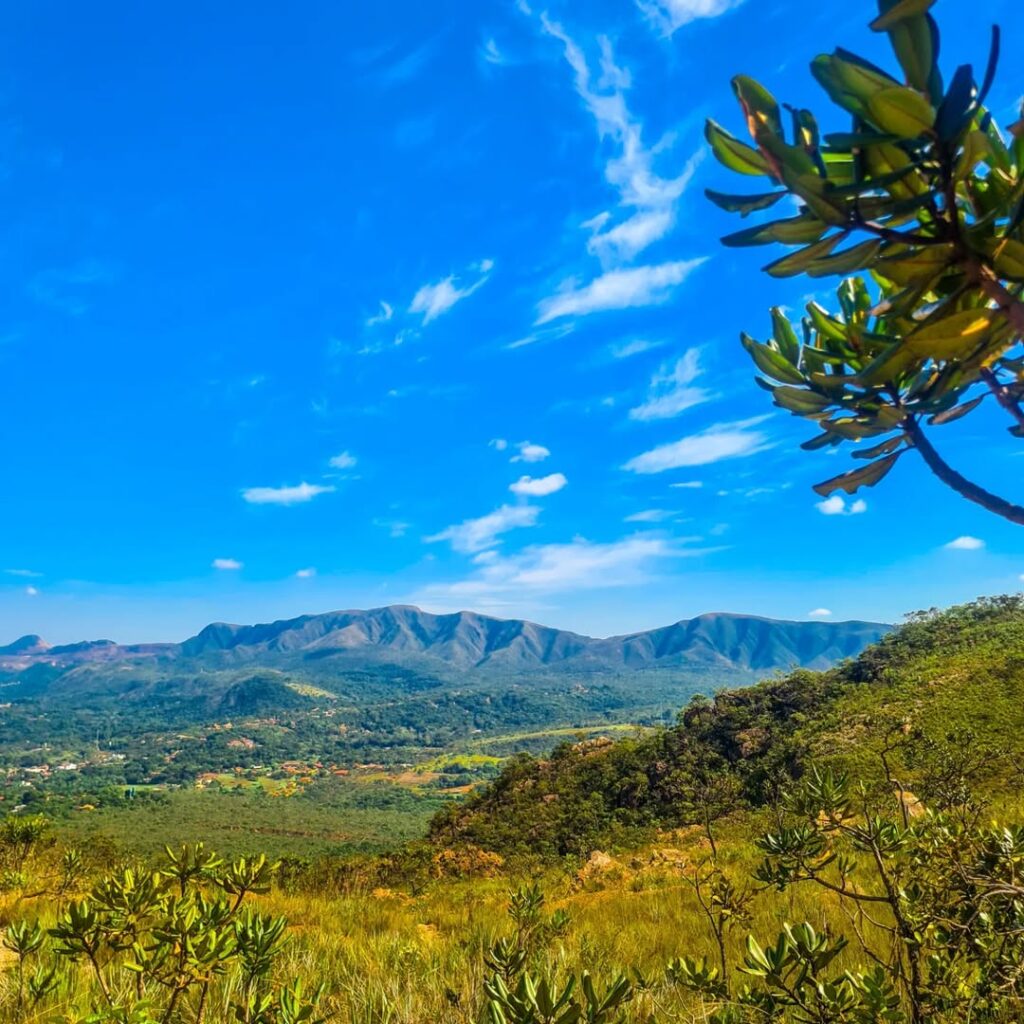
column 951, row 478
column 1002, row 394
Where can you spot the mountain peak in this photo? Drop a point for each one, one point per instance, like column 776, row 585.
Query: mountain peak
column 30, row 643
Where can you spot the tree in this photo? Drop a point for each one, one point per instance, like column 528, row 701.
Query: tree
column 924, row 194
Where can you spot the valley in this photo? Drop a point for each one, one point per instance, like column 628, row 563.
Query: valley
column 344, row 732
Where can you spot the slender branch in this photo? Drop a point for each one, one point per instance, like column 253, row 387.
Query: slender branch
column 951, row 478
column 892, row 235
column 1002, row 394
column 1010, row 305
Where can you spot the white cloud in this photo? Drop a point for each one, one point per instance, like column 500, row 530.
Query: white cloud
column 618, row 289
column 965, row 544
column 305, row 574
column 651, row 515
column 690, row 485
column 835, row 505
column 819, row 613
column 492, row 54
column 555, row 568
column 475, row 535
column 717, row 442
column 529, row 452
column 24, row 573
column 669, row 15
column 434, row 299
column 669, row 393
column 385, row 313
column 499, row 444
column 538, row 487
column 346, row 460
column 32, row 591
column 226, row 564
column 651, row 198
column 626, row 349
column 395, row 527
column 284, row 495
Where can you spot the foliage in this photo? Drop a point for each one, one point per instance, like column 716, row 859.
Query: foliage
column 940, row 676
column 924, row 193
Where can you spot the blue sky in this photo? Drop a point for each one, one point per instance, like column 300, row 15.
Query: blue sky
column 339, row 305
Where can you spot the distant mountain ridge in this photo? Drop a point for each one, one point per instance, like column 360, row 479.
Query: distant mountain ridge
column 470, row 641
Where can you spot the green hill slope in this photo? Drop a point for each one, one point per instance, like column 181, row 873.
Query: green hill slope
column 945, row 687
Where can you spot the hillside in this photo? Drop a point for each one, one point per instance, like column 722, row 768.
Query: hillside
column 467, row 641
column 946, row 686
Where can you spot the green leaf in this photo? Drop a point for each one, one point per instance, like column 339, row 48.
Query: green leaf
column 866, row 476
column 759, row 106
column 799, row 400
column 914, row 41
column 958, row 107
column 791, row 231
column 901, row 112
column 953, row 335
column 951, row 415
column 771, row 362
column 798, row 262
column 825, row 440
column 900, row 11
column 827, row 326
column 732, row 153
column 855, row 258
column 785, row 336
column 880, row 449
column 744, row 205
column 1007, row 255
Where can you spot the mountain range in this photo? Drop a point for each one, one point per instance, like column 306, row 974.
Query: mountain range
column 467, row 643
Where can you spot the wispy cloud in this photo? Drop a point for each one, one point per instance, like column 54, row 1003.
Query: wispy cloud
column 713, row 444
column 670, row 392
column 475, row 535
column 396, row 527
column 434, row 299
column 344, row 460
column 538, row 487
column 836, row 505
column 635, row 347
column 617, row 289
column 651, row 515
column 32, row 591
column 226, row 564
column 382, row 316
column 491, row 53
column 529, row 452
column 965, row 544
column 690, row 485
column 648, row 199
column 558, row 568
column 305, row 574
column 669, row 15
column 819, row 613
column 296, row 495
column 24, row 573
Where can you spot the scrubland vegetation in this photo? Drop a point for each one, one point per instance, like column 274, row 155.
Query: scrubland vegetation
column 837, row 846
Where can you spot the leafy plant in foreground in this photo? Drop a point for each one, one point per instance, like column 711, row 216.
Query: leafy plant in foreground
column 924, row 193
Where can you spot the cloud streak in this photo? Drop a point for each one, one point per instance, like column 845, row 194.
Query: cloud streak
column 431, row 300
column 538, row 487
column 473, row 536
column 667, row 16
column 618, row 289
column 297, row 495
column 713, row 444
column 670, row 392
